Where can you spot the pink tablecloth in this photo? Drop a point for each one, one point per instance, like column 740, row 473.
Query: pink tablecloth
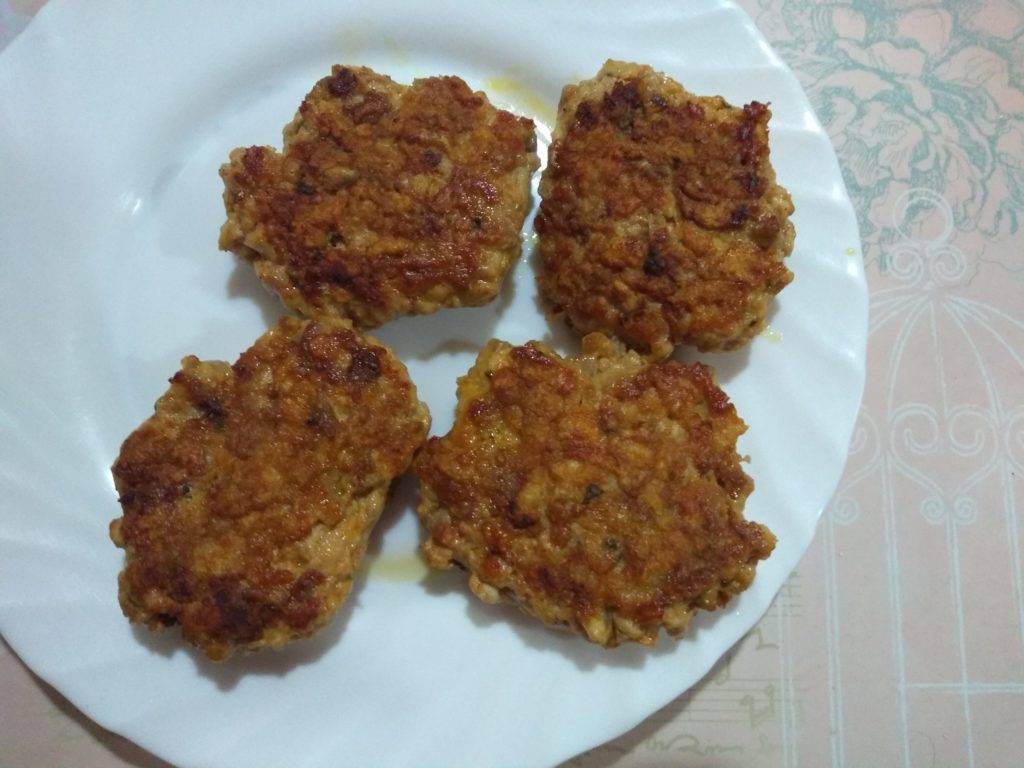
column 899, row 640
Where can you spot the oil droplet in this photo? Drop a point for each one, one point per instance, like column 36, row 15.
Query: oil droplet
column 851, row 252
column 520, row 96
column 774, row 335
column 397, row 568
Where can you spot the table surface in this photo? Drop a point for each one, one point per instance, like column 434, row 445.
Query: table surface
column 899, row 639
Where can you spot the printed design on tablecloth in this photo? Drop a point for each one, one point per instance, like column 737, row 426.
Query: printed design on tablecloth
column 917, row 96
column 1015, row 438
column 925, row 106
column 864, row 459
column 928, row 307
column 733, row 716
column 915, row 99
column 932, row 313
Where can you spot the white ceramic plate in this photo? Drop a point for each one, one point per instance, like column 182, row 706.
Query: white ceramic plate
column 115, row 118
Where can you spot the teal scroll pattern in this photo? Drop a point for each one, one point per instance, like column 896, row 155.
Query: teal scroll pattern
column 916, row 95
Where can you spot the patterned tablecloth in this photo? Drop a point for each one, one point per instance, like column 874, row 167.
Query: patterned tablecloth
column 899, row 640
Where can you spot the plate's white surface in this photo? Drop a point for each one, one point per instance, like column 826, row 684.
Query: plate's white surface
column 115, row 118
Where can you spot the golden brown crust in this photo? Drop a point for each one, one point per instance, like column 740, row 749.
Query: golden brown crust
column 660, row 220
column 387, row 200
column 249, row 495
column 603, row 492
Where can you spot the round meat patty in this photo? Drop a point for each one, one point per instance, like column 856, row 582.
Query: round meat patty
column 388, row 199
column 248, row 497
column 660, row 220
column 603, row 493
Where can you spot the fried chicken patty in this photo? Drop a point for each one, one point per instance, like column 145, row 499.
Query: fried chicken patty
column 602, row 492
column 248, row 497
column 387, row 200
column 660, row 220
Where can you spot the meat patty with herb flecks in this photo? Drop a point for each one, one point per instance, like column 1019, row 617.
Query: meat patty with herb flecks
column 249, row 495
column 602, row 492
column 387, row 199
column 661, row 221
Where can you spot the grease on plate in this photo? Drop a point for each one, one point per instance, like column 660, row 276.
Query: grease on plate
column 397, row 568
column 353, row 41
column 519, row 95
